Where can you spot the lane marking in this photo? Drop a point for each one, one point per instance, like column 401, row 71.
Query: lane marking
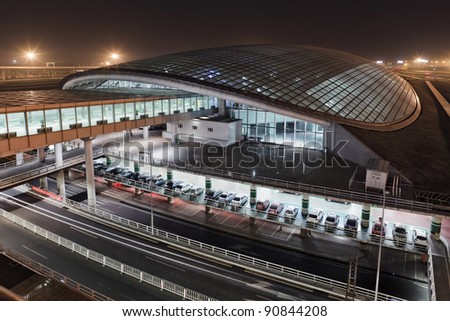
column 37, row 253
column 81, row 231
column 167, row 264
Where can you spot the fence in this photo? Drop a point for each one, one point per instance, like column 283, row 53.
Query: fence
column 42, row 171
column 305, row 279
column 48, row 272
column 142, row 276
column 273, row 182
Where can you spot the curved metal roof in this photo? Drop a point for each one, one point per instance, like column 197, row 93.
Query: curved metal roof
column 304, row 80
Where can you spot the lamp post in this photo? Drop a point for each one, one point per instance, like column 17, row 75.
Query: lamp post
column 377, row 281
column 151, row 193
column 30, row 56
column 114, row 57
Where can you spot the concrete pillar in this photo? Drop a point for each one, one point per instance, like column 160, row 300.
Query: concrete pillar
column 435, row 229
column 58, row 155
column 253, row 195
column 208, row 186
column 41, row 154
column 19, row 158
column 365, row 215
column 89, row 161
column 252, row 221
column 169, row 178
column 221, row 107
column 145, row 132
column 305, row 204
column 60, row 183
column 137, row 191
column 43, row 182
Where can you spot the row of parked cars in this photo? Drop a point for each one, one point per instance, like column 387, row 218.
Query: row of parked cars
column 273, row 209
column 223, row 199
column 400, row 235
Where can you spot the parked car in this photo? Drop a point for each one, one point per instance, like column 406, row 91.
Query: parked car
column 275, row 210
column 195, row 191
column 378, row 229
column 144, row 177
column 238, row 201
column 290, row 213
column 314, row 216
column 331, row 221
column 125, row 174
column 400, row 234
column 420, row 239
column 115, row 170
column 351, row 225
column 262, row 205
column 158, row 181
column 170, row 185
column 213, row 194
column 226, row 197
column 183, row 188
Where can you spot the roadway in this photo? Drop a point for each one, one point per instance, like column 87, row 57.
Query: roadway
column 158, row 259
column 29, row 84
column 408, row 281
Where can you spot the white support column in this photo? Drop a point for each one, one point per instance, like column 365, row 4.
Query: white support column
column 89, row 161
column 19, row 158
column 58, row 155
column 436, row 225
column 145, row 132
column 60, row 183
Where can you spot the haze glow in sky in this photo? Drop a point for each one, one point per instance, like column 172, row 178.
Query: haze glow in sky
column 83, row 31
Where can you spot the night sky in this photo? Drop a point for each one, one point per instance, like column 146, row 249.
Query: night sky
column 80, row 31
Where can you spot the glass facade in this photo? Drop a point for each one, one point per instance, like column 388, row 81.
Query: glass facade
column 40, row 121
column 274, row 128
column 322, row 81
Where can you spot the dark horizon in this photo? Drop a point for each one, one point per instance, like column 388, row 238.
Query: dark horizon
column 86, row 32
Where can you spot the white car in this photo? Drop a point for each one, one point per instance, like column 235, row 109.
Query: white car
column 420, row 239
column 183, row 188
column 331, row 221
column 196, row 191
column 238, row 201
column 314, row 216
column 400, row 234
column 290, row 213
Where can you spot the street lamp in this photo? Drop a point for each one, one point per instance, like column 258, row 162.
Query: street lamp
column 151, row 193
column 377, row 281
column 31, row 55
column 114, row 57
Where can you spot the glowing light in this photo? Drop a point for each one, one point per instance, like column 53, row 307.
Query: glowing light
column 379, row 62
column 400, row 62
column 421, row 60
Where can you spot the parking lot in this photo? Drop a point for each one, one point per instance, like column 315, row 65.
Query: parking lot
column 284, row 200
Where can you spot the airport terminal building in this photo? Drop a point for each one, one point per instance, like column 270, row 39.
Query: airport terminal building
column 286, row 95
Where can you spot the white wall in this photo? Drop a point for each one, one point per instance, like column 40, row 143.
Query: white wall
column 222, row 133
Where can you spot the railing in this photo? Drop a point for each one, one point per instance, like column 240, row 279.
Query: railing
column 48, row 272
column 41, row 171
column 14, row 163
column 430, row 275
column 306, row 279
column 273, row 182
column 162, row 284
column 262, row 215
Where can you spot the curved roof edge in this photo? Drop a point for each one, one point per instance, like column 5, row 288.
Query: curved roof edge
column 208, row 89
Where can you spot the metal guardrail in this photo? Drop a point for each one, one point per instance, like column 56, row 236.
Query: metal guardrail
column 430, row 274
column 142, row 276
column 13, row 163
column 48, row 272
column 308, row 279
column 41, row 171
column 273, row 182
column 262, row 215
